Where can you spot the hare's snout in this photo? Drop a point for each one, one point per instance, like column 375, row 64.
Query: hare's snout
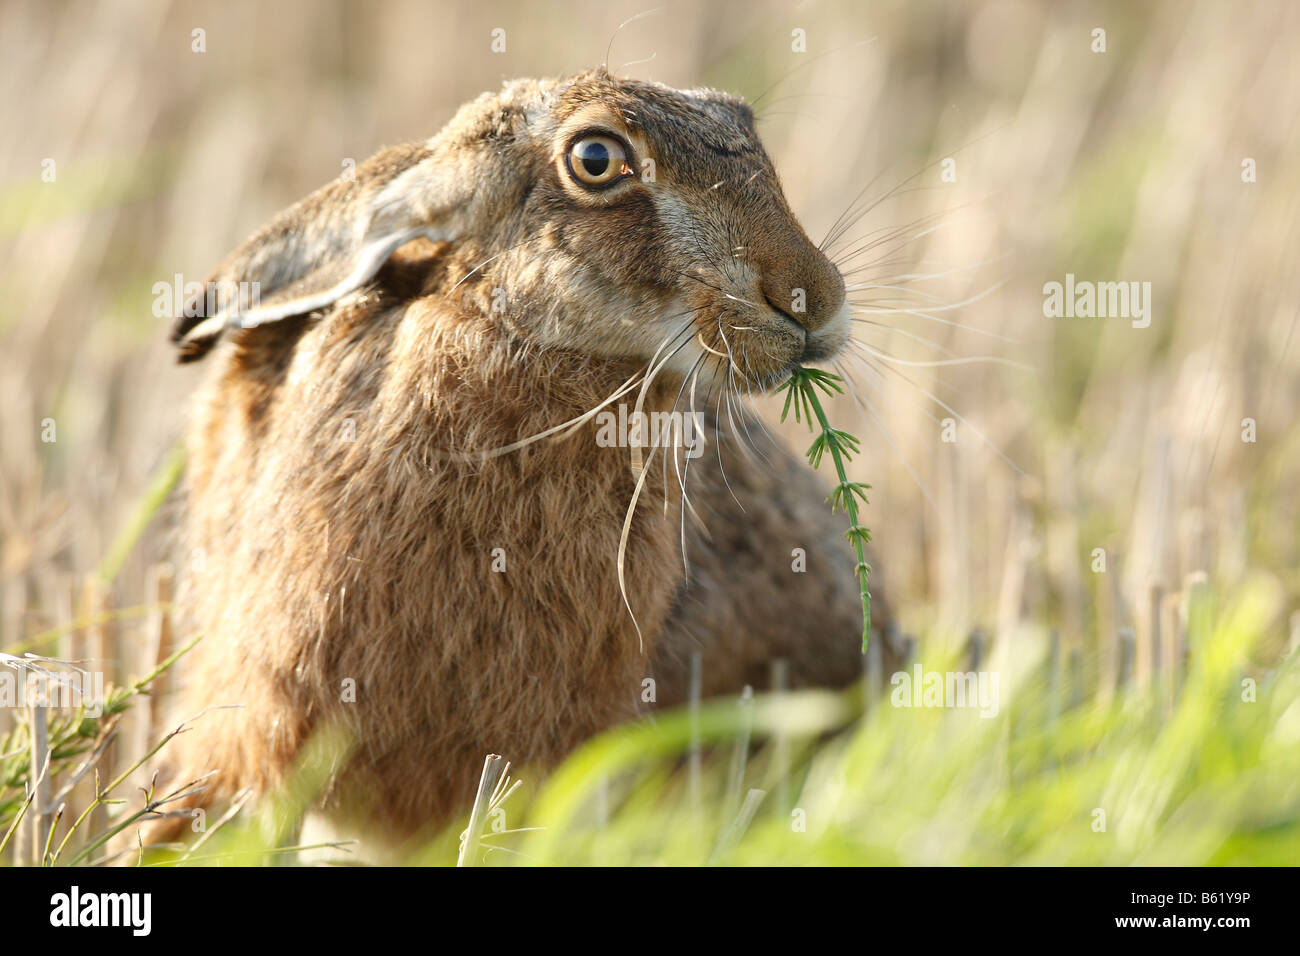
column 787, row 308
column 819, row 337
column 813, row 306
column 795, row 293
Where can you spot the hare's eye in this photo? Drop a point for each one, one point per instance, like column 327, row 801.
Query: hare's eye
column 598, row 160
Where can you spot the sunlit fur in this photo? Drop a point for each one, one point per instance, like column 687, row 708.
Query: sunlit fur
column 346, row 493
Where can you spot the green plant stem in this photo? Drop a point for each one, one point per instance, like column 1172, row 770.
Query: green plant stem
column 863, row 569
column 801, row 390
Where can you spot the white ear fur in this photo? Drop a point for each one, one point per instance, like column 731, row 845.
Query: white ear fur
column 308, row 296
column 316, row 252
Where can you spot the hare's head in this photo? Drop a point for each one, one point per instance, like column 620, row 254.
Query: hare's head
column 607, row 216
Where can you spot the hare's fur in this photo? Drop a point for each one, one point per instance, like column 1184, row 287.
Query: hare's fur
column 350, row 520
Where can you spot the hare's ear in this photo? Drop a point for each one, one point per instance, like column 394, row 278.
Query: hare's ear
column 329, row 244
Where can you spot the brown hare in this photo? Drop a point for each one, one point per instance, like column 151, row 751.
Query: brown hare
column 381, row 492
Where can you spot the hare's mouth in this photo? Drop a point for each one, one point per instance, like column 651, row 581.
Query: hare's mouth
column 825, row 342
column 752, row 342
column 796, row 344
column 788, row 320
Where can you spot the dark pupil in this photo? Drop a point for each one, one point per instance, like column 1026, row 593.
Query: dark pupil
column 594, row 158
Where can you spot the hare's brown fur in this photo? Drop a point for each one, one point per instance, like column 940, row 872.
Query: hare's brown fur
column 345, row 520
column 328, row 559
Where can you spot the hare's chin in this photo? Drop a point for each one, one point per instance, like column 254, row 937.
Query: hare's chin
column 826, row 342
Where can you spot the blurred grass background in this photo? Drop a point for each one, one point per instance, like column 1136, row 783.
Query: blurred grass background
column 1124, row 165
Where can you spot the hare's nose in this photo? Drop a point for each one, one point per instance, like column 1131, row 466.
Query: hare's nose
column 784, row 308
column 801, row 283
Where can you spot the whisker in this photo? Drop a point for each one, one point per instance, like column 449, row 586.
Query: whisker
column 841, row 226
column 809, row 61
column 618, row 29
column 955, row 414
column 938, row 308
column 576, row 422
column 967, row 360
column 934, row 318
column 884, row 430
column 896, row 330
